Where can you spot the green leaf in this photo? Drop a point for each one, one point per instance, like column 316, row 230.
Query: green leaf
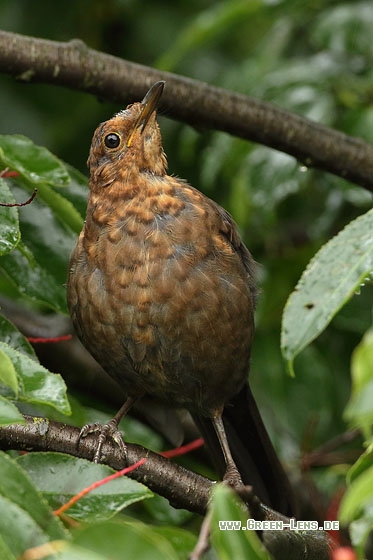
column 39, row 265
column 362, row 363
column 359, row 410
column 9, row 414
column 77, row 190
column 331, row 278
column 238, row 544
column 46, row 228
column 37, row 384
column 345, row 28
column 25, row 519
column 9, row 227
column 60, row 477
column 206, row 26
column 32, row 280
column 8, row 374
column 111, row 538
column 162, row 512
column 68, row 551
column 363, row 463
column 63, row 208
column 181, row 540
column 11, row 335
column 359, row 494
column 35, row 163
column 5, row 553
column 17, row 527
column 359, row 531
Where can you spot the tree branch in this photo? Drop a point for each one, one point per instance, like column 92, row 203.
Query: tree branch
column 74, row 65
column 158, row 473
column 183, row 488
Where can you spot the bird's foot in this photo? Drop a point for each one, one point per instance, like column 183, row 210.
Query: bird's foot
column 105, row 431
column 232, row 477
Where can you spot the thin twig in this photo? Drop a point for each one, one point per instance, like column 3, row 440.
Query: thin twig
column 11, row 205
column 326, row 453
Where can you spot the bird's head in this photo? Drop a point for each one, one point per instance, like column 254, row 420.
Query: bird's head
column 129, row 143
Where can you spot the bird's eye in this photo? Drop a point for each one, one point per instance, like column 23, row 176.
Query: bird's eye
column 112, row 140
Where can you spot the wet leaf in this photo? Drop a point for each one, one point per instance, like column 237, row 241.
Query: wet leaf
column 25, row 519
column 35, row 383
column 9, row 226
column 60, row 477
column 329, row 281
column 35, row 163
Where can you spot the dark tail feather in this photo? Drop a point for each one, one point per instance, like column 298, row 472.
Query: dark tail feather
column 252, row 452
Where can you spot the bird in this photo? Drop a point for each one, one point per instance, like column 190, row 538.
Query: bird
column 161, row 291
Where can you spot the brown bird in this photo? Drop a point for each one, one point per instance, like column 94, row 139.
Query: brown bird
column 161, row 292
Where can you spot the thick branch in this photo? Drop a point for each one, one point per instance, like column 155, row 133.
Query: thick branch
column 76, row 66
column 191, row 491
column 181, row 487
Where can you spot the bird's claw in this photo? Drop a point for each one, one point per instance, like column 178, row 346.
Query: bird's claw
column 232, row 477
column 105, row 431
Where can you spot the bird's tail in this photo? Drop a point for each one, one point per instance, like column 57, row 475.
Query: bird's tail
column 252, row 452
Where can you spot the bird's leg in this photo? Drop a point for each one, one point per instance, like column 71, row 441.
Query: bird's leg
column 110, row 429
column 232, row 476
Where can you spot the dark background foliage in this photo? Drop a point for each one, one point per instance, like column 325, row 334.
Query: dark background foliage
column 314, row 58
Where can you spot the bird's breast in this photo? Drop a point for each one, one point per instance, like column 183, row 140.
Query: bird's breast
column 156, row 284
